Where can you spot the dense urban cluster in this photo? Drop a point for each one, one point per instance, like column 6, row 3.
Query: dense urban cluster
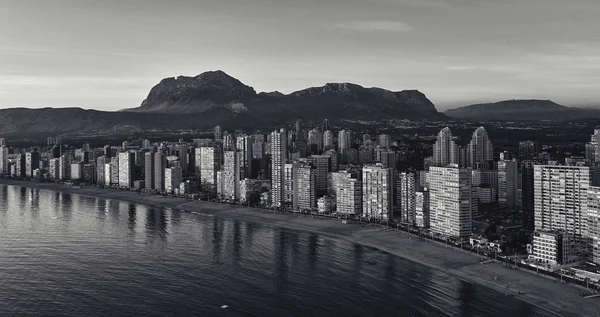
column 353, row 176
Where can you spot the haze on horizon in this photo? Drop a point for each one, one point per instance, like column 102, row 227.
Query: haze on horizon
column 108, row 54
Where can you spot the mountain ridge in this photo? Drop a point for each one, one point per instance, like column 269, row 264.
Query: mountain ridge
column 521, row 110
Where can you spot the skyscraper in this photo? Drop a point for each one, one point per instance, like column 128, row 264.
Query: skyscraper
column 328, row 140
column 561, row 198
column 322, row 167
column 347, row 192
column 445, row 150
column 480, row 150
column 528, row 194
column 422, row 209
column 593, row 147
column 527, row 150
column 244, row 147
column 149, row 170
column 344, row 144
column 305, row 191
column 218, row 133
column 4, row 169
column 593, row 219
column 377, row 192
column 32, row 162
column 326, row 126
column 160, row 163
column 384, row 141
column 406, row 197
column 450, row 200
column 278, row 160
column 315, row 141
column 231, row 175
column 126, row 169
column 173, row 178
column 508, row 184
column 210, row 163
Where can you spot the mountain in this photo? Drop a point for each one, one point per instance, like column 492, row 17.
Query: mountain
column 214, row 97
column 216, row 91
column 522, row 110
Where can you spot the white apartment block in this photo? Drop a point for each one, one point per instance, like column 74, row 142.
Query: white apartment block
column 422, row 209
column 593, row 216
column 561, row 198
column 406, row 189
column 451, row 201
column 347, row 192
column 231, row 175
column 278, row 160
column 377, row 191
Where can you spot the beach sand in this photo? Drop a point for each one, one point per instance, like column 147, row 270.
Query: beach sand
column 555, row 298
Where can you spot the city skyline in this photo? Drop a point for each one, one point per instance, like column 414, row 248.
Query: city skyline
column 107, row 56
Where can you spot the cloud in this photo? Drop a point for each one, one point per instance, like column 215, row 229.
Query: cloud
column 460, row 68
column 387, row 26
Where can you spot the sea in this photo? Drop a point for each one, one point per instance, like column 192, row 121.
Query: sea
column 73, row 255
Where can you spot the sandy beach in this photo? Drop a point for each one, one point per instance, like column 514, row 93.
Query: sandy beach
column 548, row 294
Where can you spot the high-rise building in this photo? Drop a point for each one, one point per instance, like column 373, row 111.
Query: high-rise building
column 593, row 219
column 278, row 160
column 326, row 125
column 244, row 147
column 126, row 169
column 4, row 168
column 76, row 171
column 231, row 175
column 149, row 173
column 218, row 133
column 288, row 183
column 528, row 194
column 384, row 141
column 593, row 147
column 528, row 150
column 450, row 200
column 305, row 193
column 422, row 209
column 322, row 166
column 65, row 163
column 298, row 126
column 315, row 141
column 173, row 178
column 54, row 169
column 328, row 140
column 508, row 185
column 406, row 197
column 445, row 150
column 480, row 150
column 347, row 190
column 561, row 198
column 377, row 191
column 344, row 144
column 160, row 163
column 32, row 162
column 100, row 170
column 210, row 163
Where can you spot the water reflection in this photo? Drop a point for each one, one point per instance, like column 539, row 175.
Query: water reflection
column 237, row 243
column 217, row 239
column 280, row 265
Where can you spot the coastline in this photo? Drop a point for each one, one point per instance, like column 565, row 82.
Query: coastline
column 545, row 293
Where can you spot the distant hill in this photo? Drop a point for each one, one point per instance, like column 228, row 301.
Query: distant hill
column 217, row 91
column 522, row 110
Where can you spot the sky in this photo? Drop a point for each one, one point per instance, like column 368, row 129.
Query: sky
column 108, row 54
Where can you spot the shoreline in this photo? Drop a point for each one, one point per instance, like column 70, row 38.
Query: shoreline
column 544, row 293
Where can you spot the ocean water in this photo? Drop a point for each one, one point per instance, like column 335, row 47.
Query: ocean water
column 73, row 255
